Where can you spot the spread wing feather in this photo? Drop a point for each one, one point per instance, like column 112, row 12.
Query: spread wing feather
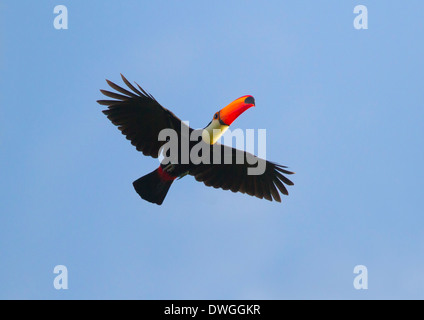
column 235, row 176
column 139, row 116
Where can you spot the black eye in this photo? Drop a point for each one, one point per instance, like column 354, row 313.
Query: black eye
column 215, row 116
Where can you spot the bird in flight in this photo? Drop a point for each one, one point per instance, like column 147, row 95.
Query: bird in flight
column 141, row 119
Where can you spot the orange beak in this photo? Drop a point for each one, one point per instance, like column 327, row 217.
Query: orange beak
column 234, row 109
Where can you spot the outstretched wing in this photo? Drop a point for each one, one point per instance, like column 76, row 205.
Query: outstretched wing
column 139, row 116
column 235, row 176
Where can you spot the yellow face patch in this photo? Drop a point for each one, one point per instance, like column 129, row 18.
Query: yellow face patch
column 213, row 132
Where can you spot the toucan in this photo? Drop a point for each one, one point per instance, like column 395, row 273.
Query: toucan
column 139, row 116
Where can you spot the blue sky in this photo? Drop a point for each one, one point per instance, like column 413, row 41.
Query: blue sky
column 342, row 107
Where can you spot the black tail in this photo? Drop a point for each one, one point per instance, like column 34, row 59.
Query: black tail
column 152, row 187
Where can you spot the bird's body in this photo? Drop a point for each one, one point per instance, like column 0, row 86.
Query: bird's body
column 143, row 120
